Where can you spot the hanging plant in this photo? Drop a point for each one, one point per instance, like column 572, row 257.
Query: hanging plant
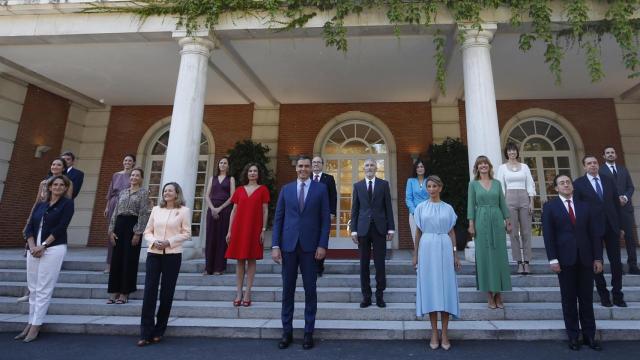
column 619, row 22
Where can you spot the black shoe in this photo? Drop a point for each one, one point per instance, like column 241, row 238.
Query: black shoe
column 633, row 270
column 286, row 340
column 619, row 303
column 308, row 341
column 604, row 301
column 592, row 343
column 319, row 273
column 380, row 302
column 366, row 302
column 574, row 344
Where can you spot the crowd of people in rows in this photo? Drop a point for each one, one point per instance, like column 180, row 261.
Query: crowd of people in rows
column 592, row 210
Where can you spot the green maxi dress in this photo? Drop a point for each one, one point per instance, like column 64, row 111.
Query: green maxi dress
column 488, row 209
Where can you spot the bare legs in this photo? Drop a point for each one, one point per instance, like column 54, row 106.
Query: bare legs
column 435, row 341
column 248, row 266
column 495, row 300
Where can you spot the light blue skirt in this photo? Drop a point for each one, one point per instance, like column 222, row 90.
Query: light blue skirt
column 437, row 285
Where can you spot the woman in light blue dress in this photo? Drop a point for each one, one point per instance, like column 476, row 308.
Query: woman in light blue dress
column 436, row 262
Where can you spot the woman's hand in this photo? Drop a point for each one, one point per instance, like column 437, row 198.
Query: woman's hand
column 112, row 238
column 106, row 212
column 38, row 251
column 228, row 238
column 414, row 260
column 135, row 240
column 530, row 206
column 472, row 230
column 262, row 237
column 456, row 263
column 161, row 244
column 509, row 228
column 215, row 212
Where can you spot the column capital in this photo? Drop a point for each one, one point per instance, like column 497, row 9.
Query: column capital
column 200, row 42
column 474, row 37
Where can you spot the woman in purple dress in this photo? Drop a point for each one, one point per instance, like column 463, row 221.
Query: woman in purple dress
column 221, row 187
column 119, row 182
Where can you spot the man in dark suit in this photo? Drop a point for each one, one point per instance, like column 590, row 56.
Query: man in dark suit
column 574, row 250
column 371, row 224
column 300, row 237
column 622, row 179
column 76, row 176
column 317, row 164
column 602, row 196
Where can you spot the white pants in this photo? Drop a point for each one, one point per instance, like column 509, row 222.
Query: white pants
column 42, row 276
column 412, row 225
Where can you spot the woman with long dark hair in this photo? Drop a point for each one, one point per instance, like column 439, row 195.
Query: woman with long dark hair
column 416, row 192
column 221, row 188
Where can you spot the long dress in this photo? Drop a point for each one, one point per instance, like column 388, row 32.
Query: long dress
column 119, row 182
column 247, row 224
column 489, row 210
column 216, row 244
column 437, row 286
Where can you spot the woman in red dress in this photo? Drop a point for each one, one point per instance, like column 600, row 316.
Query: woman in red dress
column 246, row 229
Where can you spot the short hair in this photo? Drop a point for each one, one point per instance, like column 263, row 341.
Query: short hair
column 555, row 179
column 70, row 154
column 608, row 147
column 64, row 166
column 217, row 172
column 51, row 180
column 436, row 180
column 303, row 157
column 179, row 196
column 133, row 157
column 584, row 158
column 138, row 169
column 479, row 160
column 244, row 178
column 415, row 167
column 319, row 157
column 511, row 146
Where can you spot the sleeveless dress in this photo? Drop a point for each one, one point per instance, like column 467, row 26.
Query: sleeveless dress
column 216, row 244
column 247, row 224
column 437, row 285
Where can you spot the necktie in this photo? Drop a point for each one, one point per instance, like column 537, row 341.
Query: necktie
column 301, row 197
column 613, row 170
column 598, row 188
column 370, row 190
column 316, row 178
column 572, row 215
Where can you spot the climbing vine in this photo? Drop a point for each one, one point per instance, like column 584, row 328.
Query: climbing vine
column 535, row 19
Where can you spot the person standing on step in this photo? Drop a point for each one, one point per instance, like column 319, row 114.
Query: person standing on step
column 372, row 225
column 488, row 217
column 247, row 224
column 76, row 176
column 168, row 227
column 317, row 165
column 127, row 224
column 300, row 237
column 436, row 262
column 416, row 192
column 46, row 235
column 221, row 188
column 119, row 182
column 601, row 194
column 574, row 250
column 519, row 190
column 624, row 184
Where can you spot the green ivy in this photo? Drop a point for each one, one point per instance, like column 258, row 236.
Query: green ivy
column 619, row 22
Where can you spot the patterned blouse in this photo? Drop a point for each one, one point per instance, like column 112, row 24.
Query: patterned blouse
column 132, row 203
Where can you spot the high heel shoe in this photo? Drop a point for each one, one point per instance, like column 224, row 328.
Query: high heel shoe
column 22, row 335
column 498, row 301
column 491, row 303
column 525, row 268
column 434, row 346
column 445, row 347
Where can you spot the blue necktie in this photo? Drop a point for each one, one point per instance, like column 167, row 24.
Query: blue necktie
column 598, row 188
column 301, row 196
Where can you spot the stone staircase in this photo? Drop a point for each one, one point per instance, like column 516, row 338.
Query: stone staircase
column 202, row 305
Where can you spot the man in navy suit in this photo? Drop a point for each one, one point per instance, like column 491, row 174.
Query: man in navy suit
column 317, row 164
column 300, row 237
column 574, row 250
column 602, row 196
column 372, row 225
column 76, row 176
column 621, row 177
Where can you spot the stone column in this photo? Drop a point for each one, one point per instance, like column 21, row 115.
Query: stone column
column 186, row 120
column 483, row 133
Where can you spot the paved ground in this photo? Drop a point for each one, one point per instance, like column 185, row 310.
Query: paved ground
column 70, row 346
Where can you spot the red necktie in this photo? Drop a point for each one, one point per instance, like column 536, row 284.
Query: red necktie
column 572, row 215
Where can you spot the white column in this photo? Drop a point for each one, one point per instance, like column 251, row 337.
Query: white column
column 186, row 120
column 483, row 133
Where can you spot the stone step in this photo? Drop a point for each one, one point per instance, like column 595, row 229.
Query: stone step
column 326, row 311
column 332, row 280
column 324, row 329
column 325, row 294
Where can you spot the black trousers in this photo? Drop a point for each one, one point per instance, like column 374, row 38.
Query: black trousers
column 378, row 242
column 161, row 270
column 576, row 289
column 612, row 244
column 123, row 275
column 627, row 220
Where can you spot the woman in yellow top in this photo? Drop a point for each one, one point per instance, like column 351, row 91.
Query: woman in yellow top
column 168, row 227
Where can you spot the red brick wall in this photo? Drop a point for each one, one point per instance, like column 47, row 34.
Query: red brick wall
column 43, row 122
column 410, row 124
column 127, row 126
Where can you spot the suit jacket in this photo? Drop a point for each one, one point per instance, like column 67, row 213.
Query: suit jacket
column 606, row 210
column 378, row 210
column 565, row 241
column 55, row 220
column 77, row 177
column 330, row 182
column 308, row 226
column 623, row 182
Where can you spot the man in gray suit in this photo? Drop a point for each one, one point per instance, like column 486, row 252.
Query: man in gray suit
column 624, row 184
column 372, row 225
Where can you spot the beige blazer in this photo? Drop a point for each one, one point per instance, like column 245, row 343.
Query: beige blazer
column 168, row 224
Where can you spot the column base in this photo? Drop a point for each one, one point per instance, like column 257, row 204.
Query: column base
column 470, row 252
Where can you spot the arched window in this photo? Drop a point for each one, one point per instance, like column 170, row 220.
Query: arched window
column 548, row 150
column 155, row 164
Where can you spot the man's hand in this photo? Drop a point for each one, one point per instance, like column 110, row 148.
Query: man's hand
column 623, row 200
column 621, row 234
column 354, row 238
column 389, row 236
column 555, row 268
column 276, row 255
column 597, row 266
column 321, row 253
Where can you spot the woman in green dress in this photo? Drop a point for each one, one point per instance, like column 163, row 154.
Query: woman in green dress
column 488, row 217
